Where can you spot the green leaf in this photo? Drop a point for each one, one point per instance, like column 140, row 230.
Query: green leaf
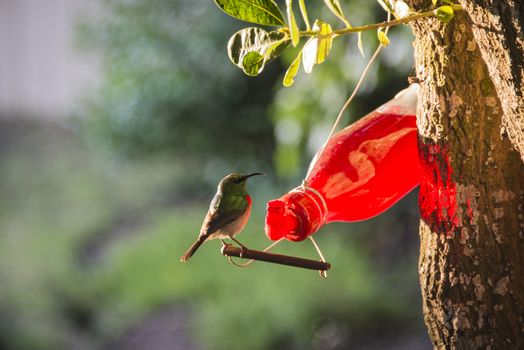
column 359, row 44
column 303, row 11
column 292, row 71
column 253, row 63
column 444, row 13
column 335, row 7
column 276, row 50
column 325, row 40
column 246, row 46
column 265, row 12
column 382, row 37
column 293, row 28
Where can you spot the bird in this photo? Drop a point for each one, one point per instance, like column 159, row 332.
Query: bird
column 228, row 213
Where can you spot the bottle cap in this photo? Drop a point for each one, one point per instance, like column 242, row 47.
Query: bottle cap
column 296, row 215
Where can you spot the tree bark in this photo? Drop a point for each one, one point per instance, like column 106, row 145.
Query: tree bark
column 471, row 263
column 498, row 30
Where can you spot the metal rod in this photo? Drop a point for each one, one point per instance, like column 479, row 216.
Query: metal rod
column 229, row 250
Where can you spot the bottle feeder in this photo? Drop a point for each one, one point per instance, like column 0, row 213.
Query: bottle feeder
column 360, row 172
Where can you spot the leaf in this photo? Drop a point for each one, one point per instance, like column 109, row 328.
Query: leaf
column 252, row 39
column 317, row 48
column 359, row 44
column 335, row 7
column 292, row 71
column 444, row 13
column 243, row 44
column 303, row 11
column 253, row 63
column 387, row 5
column 383, row 38
column 325, row 40
column 265, row 12
column 402, row 9
column 276, row 50
column 397, row 8
column 309, row 54
column 293, row 28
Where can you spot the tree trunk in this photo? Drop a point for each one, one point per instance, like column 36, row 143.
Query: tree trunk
column 498, row 30
column 472, row 193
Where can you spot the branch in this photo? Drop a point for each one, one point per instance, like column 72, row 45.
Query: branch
column 384, row 24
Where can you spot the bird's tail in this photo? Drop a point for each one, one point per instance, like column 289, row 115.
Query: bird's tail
column 189, row 253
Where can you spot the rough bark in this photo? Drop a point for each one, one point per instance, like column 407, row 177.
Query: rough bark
column 472, row 193
column 498, row 30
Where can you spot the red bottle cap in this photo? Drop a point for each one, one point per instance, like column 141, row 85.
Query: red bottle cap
column 296, row 215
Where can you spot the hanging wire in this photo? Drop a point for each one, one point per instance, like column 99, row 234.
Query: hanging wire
column 347, row 103
column 334, row 128
column 323, row 273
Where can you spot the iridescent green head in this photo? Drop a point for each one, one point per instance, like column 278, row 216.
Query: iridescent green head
column 235, row 183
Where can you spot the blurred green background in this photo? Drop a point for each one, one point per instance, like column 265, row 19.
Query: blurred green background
column 99, row 203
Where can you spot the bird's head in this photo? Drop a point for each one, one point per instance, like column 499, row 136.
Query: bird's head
column 235, row 183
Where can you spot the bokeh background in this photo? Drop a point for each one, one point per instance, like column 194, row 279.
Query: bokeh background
column 117, row 120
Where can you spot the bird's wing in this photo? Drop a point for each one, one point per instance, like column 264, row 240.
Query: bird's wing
column 218, row 216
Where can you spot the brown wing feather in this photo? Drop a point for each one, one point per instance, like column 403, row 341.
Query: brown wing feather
column 217, row 217
column 216, row 220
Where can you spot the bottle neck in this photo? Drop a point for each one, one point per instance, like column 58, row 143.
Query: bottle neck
column 296, row 215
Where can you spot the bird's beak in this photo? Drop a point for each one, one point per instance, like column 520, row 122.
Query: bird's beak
column 245, row 177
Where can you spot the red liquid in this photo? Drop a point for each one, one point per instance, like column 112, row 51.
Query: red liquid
column 364, row 170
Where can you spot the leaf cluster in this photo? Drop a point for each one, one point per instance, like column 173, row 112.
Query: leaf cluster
column 251, row 48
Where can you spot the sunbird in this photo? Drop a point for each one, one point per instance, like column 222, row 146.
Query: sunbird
column 228, row 212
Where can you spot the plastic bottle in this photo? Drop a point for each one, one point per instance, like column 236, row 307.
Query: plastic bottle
column 364, row 169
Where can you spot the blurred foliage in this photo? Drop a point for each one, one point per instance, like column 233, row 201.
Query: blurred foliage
column 60, row 197
column 89, row 247
column 168, row 87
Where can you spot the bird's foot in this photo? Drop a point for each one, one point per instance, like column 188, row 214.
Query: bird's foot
column 243, row 248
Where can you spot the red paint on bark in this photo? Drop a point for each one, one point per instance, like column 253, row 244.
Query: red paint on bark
column 438, row 193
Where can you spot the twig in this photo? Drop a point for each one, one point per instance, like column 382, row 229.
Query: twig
column 229, row 250
column 386, row 24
